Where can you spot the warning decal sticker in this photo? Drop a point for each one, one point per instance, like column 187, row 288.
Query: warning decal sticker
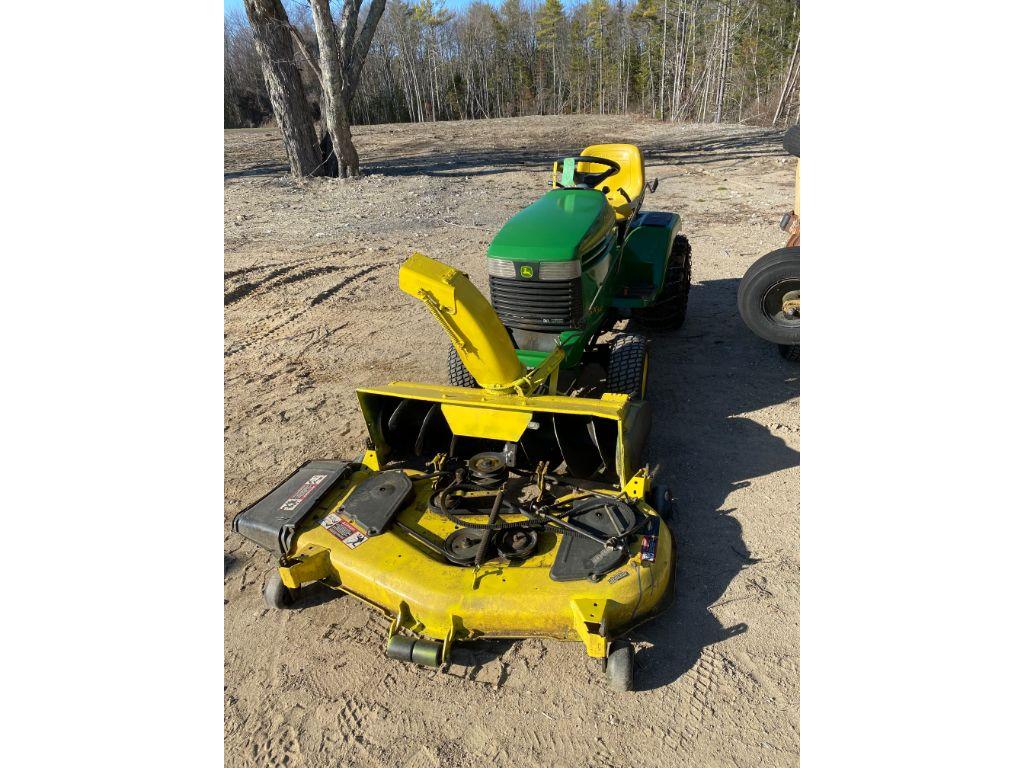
column 648, row 549
column 300, row 495
column 344, row 530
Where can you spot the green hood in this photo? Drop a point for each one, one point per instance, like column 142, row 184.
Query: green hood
column 558, row 227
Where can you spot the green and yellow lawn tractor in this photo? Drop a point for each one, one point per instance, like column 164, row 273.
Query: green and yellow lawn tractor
column 514, row 503
column 564, row 269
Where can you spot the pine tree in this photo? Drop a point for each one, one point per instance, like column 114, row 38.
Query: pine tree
column 550, row 29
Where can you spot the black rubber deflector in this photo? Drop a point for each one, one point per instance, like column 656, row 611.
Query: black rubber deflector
column 376, row 500
column 272, row 520
column 580, row 557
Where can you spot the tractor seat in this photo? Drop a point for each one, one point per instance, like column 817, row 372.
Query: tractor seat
column 629, row 179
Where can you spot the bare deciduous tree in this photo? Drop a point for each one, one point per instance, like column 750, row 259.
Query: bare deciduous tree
column 270, row 31
column 714, row 60
column 343, row 51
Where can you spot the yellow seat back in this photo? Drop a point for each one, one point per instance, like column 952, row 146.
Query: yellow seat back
column 629, row 178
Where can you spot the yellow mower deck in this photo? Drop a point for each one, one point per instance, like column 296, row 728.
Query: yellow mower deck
column 434, row 599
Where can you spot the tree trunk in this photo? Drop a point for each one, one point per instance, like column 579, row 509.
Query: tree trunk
column 664, row 43
column 787, row 85
column 271, row 32
column 335, row 107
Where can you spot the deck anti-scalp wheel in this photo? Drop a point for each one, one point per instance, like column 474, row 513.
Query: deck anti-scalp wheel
column 618, row 670
column 663, row 501
column 276, row 594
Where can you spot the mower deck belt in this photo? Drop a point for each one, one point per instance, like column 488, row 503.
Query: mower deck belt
column 376, row 500
column 580, row 557
column 271, row 521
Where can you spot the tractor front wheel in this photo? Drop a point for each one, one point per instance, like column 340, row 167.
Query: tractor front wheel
column 628, row 361
column 668, row 311
column 769, row 297
column 458, row 374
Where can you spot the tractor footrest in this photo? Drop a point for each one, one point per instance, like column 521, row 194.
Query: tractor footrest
column 634, row 296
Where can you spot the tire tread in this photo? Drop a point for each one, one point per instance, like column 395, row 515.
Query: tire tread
column 458, row 374
column 626, row 364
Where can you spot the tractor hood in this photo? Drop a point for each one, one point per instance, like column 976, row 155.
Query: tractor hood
column 559, row 227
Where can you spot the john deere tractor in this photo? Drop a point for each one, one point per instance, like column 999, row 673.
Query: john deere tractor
column 565, row 268
column 515, row 503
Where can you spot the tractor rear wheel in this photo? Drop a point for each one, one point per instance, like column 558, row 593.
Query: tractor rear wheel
column 628, row 361
column 668, row 311
column 458, row 374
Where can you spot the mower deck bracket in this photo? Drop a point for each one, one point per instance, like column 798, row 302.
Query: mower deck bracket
column 588, row 617
column 638, row 485
column 311, row 563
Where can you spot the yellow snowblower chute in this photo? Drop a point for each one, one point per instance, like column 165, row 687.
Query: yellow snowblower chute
column 474, row 328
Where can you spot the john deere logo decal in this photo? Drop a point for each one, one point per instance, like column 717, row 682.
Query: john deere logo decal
column 526, row 271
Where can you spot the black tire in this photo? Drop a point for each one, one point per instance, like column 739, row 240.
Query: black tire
column 668, row 311
column 627, row 366
column 770, row 280
column 791, row 141
column 663, row 502
column 618, row 670
column 276, row 595
column 458, row 374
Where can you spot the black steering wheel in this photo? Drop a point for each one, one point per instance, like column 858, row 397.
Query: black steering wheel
column 588, row 180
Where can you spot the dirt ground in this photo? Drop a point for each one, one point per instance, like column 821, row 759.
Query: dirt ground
column 313, row 310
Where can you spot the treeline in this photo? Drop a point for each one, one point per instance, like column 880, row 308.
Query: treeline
column 680, row 60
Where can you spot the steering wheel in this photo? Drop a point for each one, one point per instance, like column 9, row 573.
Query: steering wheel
column 587, row 180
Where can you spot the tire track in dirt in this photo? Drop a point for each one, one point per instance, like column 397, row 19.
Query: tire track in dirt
column 264, row 267
column 271, row 280
column 323, row 296
column 246, row 289
column 259, row 336
column 306, row 275
column 705, row 687
column 259, row 333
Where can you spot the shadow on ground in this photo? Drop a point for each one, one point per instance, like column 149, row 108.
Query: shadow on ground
column 263, row 169
column 703, row 379
column 485, row 162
